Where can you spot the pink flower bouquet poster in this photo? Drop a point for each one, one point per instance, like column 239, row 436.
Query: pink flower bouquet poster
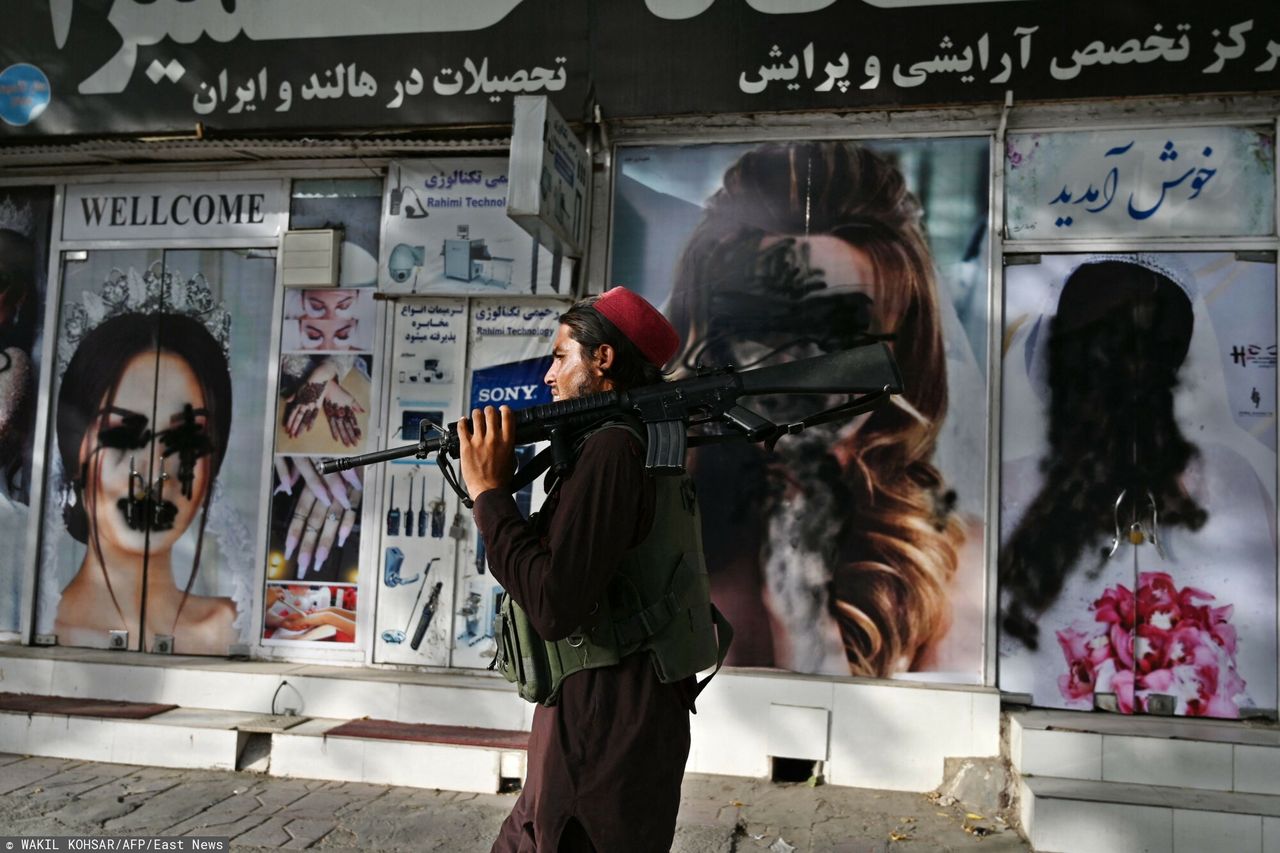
column 1166, row 640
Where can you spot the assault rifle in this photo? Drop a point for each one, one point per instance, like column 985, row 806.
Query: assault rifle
column 668, row 410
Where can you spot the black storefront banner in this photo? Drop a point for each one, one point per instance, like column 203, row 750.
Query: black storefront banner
column 133, row 66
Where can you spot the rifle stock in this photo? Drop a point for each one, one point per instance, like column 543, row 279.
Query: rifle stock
column 863, row 370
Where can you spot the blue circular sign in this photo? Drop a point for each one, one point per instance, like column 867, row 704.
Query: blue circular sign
column 24, row 93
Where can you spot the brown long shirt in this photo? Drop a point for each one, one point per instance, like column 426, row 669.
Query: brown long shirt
column 611, row 753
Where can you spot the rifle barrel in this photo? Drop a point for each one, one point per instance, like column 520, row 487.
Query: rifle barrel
column 342, row 463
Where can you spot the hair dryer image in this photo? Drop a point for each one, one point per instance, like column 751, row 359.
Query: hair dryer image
column 424, row 621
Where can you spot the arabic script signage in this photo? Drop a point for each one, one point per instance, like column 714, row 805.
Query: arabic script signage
column 445, row 231
column 753, row 55
column 1180, row 182
column 135, row 211
column 128, row 66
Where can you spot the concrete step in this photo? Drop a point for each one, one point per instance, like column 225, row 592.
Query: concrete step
column 422, row 756
column 869, row 733
column 1077, row 816
column 310, row 751
column 1208, row 755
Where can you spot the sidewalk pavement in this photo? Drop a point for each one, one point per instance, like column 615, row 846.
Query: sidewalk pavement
column 718, row 814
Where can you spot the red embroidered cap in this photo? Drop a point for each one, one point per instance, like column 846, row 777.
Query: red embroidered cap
column 641, row 323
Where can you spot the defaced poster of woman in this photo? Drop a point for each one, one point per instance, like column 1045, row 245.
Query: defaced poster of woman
column 856, row 547
column 1137, row 530
column 24, row 237
column 158, row 448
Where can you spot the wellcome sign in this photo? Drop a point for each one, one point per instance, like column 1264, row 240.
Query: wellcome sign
column 222, row 209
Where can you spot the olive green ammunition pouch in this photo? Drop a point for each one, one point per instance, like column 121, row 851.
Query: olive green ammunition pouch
column 658, row 602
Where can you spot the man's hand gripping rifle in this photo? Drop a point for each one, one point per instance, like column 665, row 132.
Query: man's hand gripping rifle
column 707, row 403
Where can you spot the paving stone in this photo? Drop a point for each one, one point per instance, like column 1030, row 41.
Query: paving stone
column 304, row 832
column 861, row 847
column 692, row 838
column 707, row 813
column 318, row 805
column 28, row 771
column 270, row 833
column 471, row 826
column 130, row 791
column 274, row 794
column 343, row 838
column 173, row 806
column 95, row 809
column 230, row 810
column 162, row 773
column 718, row 814
column 72, row 784
column 231, row 828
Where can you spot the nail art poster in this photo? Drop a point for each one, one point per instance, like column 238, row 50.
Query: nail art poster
column 315, row 522
column 322, row 410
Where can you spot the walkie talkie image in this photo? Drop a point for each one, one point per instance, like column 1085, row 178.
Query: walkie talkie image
column 428, row 611
column 422, row 509
column 408, row 512
column 393, row 514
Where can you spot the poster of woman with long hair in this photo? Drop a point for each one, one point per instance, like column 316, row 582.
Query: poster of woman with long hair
column 24, row 236
column 159, row 388
column 855, row 547
column 1137, row 558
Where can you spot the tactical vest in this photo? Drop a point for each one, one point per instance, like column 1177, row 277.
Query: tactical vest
column 659, row 602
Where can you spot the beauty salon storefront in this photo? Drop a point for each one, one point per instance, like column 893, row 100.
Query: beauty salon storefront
column 1075, row 508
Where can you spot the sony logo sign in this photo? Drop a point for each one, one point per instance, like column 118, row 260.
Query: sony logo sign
column 512, row 394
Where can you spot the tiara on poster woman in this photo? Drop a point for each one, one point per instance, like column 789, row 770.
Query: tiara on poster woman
column 156, row 291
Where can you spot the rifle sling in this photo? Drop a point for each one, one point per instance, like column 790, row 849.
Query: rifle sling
column 531, row 470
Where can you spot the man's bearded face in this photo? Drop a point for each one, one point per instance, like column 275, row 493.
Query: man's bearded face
column 574, row 371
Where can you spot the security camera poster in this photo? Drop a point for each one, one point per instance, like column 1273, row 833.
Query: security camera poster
column 855, row 548
column 421, row 519
column 156, row 455
column 351, row 204
column 446, row 232
column 24, row 249
column 1137, row 554
column 510, row 354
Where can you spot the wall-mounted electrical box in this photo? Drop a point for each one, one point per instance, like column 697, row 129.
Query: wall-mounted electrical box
column 310, row 257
